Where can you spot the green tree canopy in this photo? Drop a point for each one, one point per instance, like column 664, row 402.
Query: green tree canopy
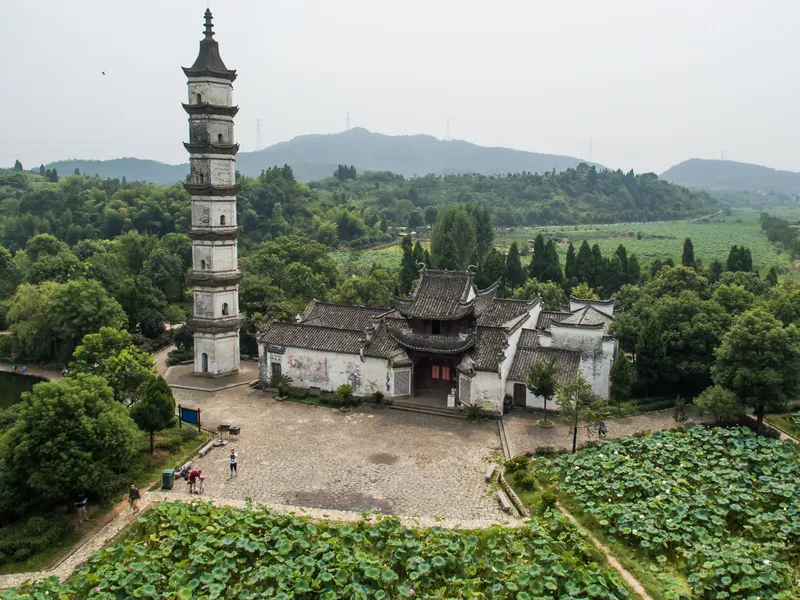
column 514, row 276
column 541, row 381
column 687, row 259
column 156, row 409
column 576, row 403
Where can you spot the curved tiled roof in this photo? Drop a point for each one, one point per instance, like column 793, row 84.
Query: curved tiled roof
column 566, row 361
column 341, row 316
column 548, row 316
column 312, row 337
column 442, row 295
column 489, row 346
column 588, row 315
column 433, row 343
column 208, row 62
column 499, row 311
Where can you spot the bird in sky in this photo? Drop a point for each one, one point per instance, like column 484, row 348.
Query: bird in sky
column 103, row 72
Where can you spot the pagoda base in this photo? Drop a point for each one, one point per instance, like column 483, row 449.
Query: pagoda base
column 216, row 354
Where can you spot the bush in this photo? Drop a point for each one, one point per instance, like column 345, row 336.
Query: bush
column 524, row 480
column 21, row 540
column 518, row 463
column 345, row 391
column 377, row 397
column 548, row 502
column 546, row 450
column 172, row 439
column 474, row 411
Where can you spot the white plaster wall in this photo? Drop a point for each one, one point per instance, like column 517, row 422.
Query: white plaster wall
column 487, row 387
column 531, row 400
column 206, row 213
column 219, row 256
column 220, row 94
column 326, row 370
column 584, row 340
column 375, row 372
column 596, row 368
column 216, row 171
column 212, row 126
column 222, row 351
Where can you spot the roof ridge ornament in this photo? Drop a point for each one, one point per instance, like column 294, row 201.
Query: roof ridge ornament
column 472, row 269
column 420, row 266
column 209, row 30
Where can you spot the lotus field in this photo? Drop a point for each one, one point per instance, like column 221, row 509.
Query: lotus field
column 182, row 551
column 722, row 506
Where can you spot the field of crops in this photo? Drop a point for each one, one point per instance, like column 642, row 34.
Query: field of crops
column 182, row 551
column 721, row 506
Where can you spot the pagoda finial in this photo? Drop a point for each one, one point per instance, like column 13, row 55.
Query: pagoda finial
column 209, row 25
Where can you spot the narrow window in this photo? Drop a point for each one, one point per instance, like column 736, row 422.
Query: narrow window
column 200, row 175
column 219, row 138
column 435, row 371
column 436, row 327
column 203, row 265
column 224, row 309
column 199, row 99
column 222, row 219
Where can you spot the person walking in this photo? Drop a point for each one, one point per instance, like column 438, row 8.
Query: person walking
column 80, row 507
column 194, row 477
column 234, row 463
column 133, row 498
column 603, row 430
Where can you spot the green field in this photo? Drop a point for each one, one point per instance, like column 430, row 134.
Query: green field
column 712, row 240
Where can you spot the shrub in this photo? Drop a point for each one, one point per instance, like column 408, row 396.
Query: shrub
column 345, row 391
column 474, row 412
column 518, row 463
column 545, row 450
column 524, row 480
column 172, row 439
column 377, row 397
column 548, row 502
column 21, row 540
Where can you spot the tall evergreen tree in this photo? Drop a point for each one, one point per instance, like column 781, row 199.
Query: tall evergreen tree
column 419, row 254
column 715, row 269
column 42, row 170
column 584, row 265
column 514, row 276
column 551, row 269
column 737, row 259
column 537, row 260
column 687, row 260
column 570, row 265
column 484, row 232
column 600, row 267
column 772, row 277
column 408, row 270
column 622, row 253
column 620, row 378
column 651, row 352
column 634, row 272
column 491, row 268
column 447, row 255
column 655, row 266
column 17, row 165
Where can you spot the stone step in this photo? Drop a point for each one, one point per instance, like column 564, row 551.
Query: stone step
column 428, row 410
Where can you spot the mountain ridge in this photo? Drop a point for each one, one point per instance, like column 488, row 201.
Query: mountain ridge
column 726, row 175
column 315, row 156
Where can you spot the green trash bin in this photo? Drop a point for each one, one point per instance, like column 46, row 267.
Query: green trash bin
column 167, row 479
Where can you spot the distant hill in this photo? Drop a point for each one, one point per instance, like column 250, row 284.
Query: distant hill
column 731, row 175
column 316, row 156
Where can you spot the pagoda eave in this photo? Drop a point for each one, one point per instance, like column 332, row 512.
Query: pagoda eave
column 213, row 233
column 206, row 279
column 205, row 189
column 203, row 73
column 231, row 149
column 204, row 108
column 223, row 325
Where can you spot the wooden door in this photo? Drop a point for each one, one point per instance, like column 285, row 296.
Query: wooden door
column 276, row 370
column 519, row 394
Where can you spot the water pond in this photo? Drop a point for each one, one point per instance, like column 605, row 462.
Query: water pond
column 12, row 385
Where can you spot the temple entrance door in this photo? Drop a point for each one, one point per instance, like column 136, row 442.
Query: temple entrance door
column 433, row 374
column 519, row 394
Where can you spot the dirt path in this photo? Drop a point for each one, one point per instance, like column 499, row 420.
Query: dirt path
column 50, row 374
column 612, row 561
column 160, row 359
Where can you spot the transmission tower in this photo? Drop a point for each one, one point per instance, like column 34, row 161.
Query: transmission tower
column 347, row 122
column 258, row 135
column 447, row 131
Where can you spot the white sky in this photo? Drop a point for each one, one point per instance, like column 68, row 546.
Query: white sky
column 651, row 82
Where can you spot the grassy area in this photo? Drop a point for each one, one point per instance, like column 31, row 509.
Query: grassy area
column 144, row 472
column 788, row 423
column 660, row 586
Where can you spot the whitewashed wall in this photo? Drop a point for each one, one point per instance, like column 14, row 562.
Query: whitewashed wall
column 218, row 92
column 487, row 387
column 219, row 255
column 313, row 368
column 222, row 351
column 376, row 370
column 206, row 213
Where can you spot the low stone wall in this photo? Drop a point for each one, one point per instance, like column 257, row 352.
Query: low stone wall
column 512, row 495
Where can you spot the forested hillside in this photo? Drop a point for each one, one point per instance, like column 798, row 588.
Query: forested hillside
column 580, row 195
column 316, row 156
column 731, row 175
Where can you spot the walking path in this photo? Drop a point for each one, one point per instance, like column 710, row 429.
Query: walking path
column 612, row 561
column 51, row 374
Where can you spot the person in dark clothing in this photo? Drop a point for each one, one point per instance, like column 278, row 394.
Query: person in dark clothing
column 133, row 498
column 80, row 507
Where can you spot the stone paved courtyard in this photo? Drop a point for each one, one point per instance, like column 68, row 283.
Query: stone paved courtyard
column 374, row 458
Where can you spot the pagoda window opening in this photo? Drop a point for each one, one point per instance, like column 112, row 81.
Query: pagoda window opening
column 203, row 265
column 199, row 99
column 436, row 327
column 222, row 219
column 200, row 175
column 219, row 138
column 224, row 309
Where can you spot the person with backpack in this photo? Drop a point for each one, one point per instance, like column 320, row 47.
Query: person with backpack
column 133, row 498
column 80, row 507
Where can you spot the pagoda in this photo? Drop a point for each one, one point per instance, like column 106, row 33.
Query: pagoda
column 212, row 186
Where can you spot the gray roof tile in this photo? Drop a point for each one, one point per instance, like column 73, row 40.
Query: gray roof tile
column 341, row 316
column 312, row 337
column 565, row 360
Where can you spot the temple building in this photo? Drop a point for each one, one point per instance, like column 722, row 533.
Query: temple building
column 212, row 186
column 446, row 336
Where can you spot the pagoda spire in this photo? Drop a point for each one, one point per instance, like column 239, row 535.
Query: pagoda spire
column 209, row 31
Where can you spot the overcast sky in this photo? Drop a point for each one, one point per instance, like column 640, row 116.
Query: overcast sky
column 650, row 82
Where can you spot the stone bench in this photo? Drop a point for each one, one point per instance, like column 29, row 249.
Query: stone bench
column 505, row 503
column 490, row 471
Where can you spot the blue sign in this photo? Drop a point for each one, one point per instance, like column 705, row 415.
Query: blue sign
column 189, row 415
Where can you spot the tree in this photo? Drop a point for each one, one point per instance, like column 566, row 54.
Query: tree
column 720, row 403
column 553, row 296
column 570, row 265
column 166, row 271
column 739, row 259
column 759, row 361
column 687, row 259
column 583, row 292
column 651, row 353
column 492, row 266
column 574, row 400
column 484, row 233
column 621, row 379
column 110, row 354
column 634, row 272
column 69, row 436
column 415, row 219
column 419, row 254
column 431, row 213
column 514, row 276
column 42, row 170
column 536, row 265
column 408, row 268
column 541, row 381
column 447, row 254
column 453, row 222
column 155, row 410
column 17, row 165
column 715, row 269
column 772, row 277
column 584, row 264
column 551, row 266
column 673, row 281
column 53, row 177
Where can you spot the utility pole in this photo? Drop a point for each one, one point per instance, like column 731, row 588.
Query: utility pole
column 258, row 135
